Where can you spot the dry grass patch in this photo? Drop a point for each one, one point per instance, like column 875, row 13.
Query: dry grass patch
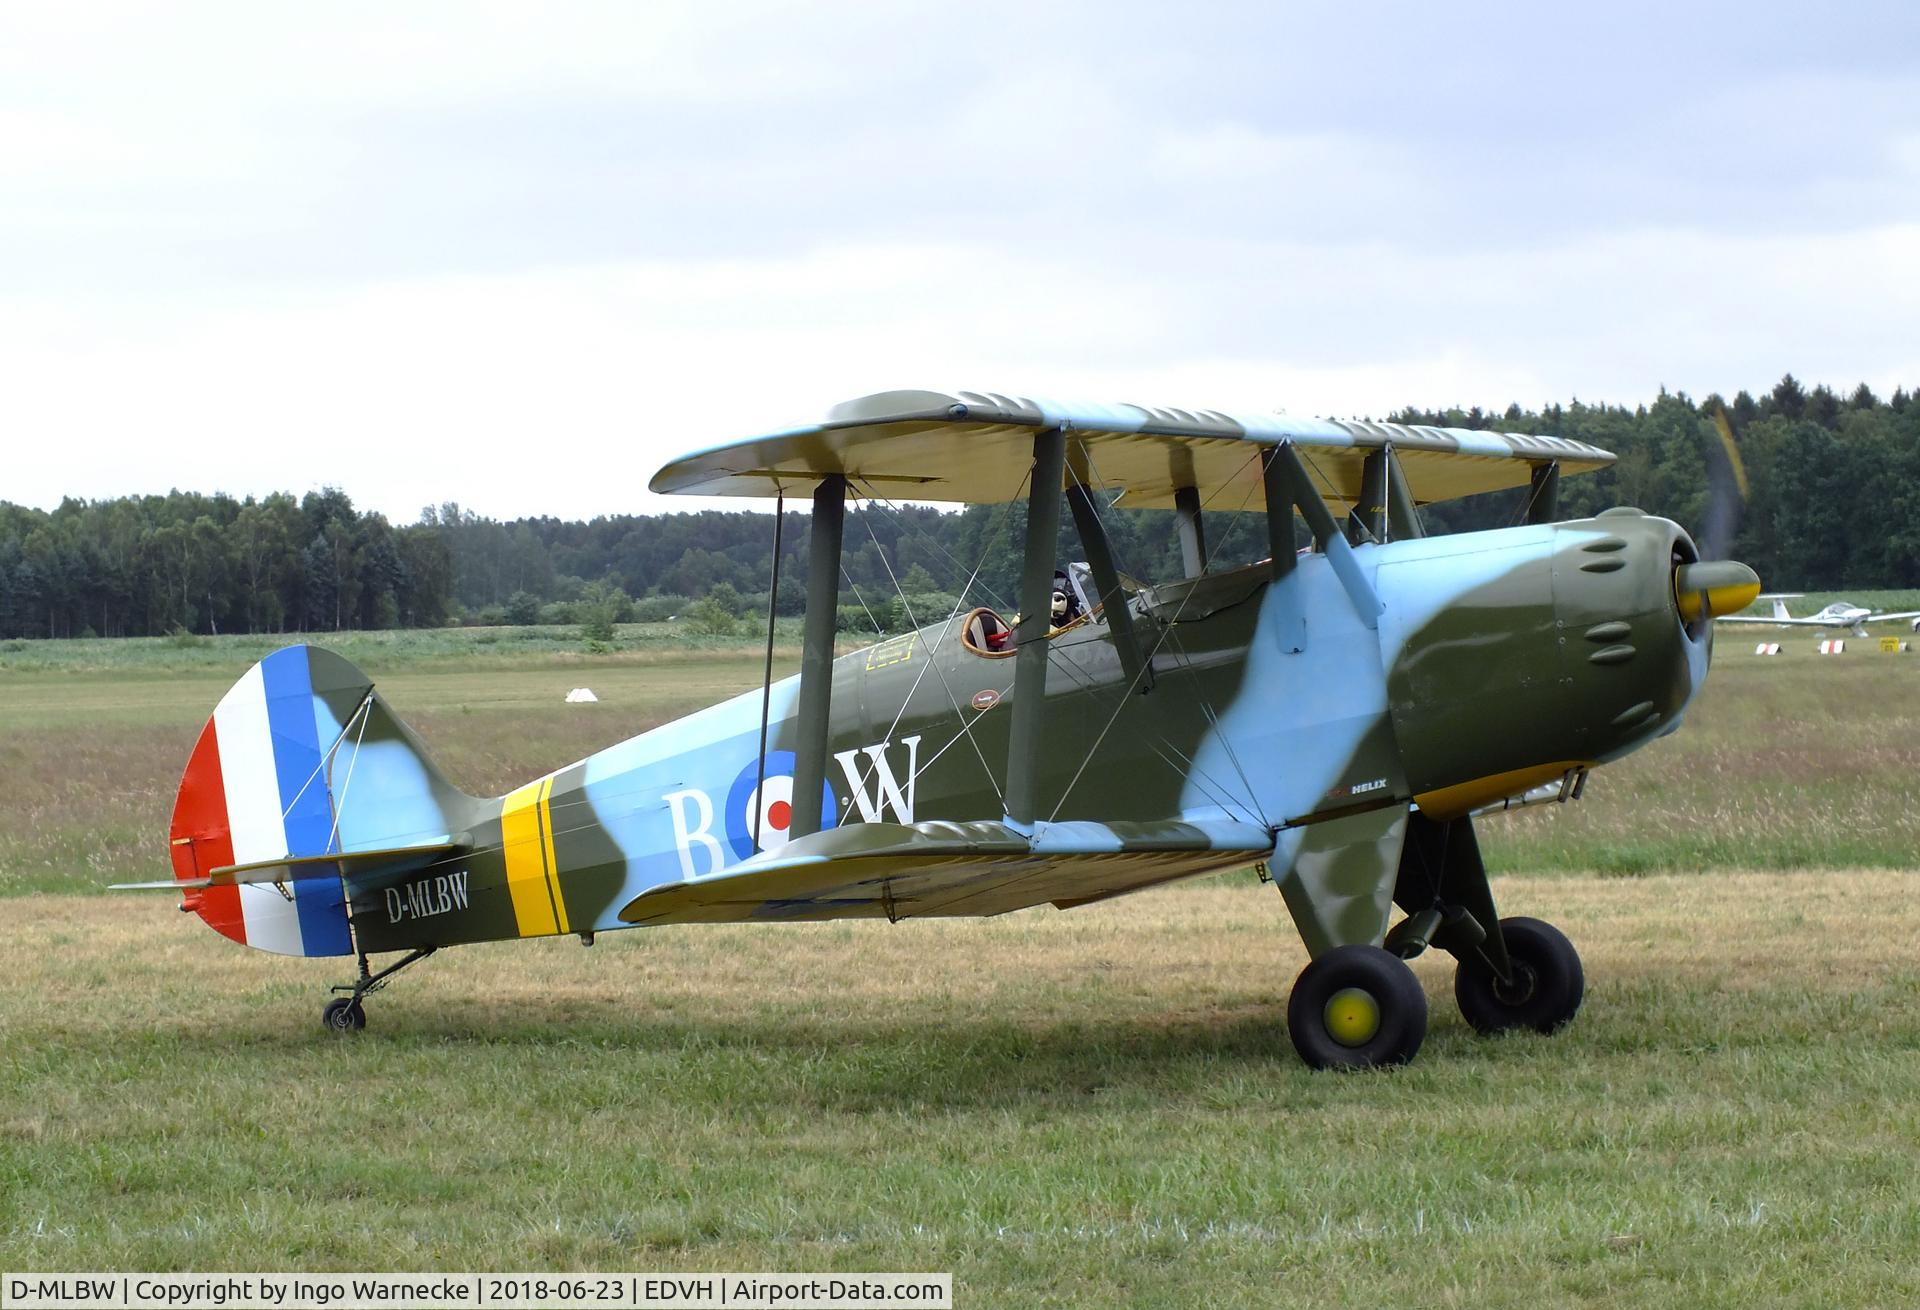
column 1063, row 1108
column 90, row 761
column 1094, row 1107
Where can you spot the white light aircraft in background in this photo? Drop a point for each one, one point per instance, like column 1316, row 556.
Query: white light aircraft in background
column 1840, row 614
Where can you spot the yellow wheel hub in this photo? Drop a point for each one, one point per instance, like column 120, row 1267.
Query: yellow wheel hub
column 1353, row 1016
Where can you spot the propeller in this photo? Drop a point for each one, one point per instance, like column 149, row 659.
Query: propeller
column 1715, row 585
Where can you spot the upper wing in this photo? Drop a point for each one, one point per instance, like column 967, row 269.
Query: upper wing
column 900, row 871
column 1888, row 618
column 976, row 447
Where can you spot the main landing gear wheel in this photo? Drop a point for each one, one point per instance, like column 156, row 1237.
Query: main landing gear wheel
column 1355, row 1007
column 344, row 1015
column 1547, row 981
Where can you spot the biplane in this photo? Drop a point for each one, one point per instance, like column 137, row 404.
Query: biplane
column 1334, row 716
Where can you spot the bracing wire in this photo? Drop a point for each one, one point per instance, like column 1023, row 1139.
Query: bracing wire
column 1165, row 632
column 1079, row 676
column 1528, row 501
column 1068, row 667
column 932, row 662
column 1206, row 704
column 326, row 756
column 340, row 805
column 766, row 676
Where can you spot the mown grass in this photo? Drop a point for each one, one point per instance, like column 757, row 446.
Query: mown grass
column 1097, row 1107
column 386, row 651
column 1788, row 761
column 90, row 761
column 1785, row 762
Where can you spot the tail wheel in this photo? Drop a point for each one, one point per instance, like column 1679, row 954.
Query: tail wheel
column 1356, row 1007
column 1547, row 985
column 344, row 1015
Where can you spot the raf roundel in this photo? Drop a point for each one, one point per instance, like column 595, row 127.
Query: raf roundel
column 773, row 800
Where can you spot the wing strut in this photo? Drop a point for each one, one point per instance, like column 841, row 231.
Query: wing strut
column 1543, row 499
column 1186, row 504
column 1114, row 604
column 1367, row 520
column 1386, row 510
column 766, row 678
column 1283, row 544
column 1306, row 498
column 1193, row 532
column 1030, row 633
column 816, row 651
column 1403, row 516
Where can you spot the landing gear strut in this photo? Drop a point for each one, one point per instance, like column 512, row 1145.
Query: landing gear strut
column 345, row 1014
column 1544, row 991
column 1514, row 973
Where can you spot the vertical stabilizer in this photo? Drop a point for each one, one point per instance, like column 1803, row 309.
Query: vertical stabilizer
column 300, row 733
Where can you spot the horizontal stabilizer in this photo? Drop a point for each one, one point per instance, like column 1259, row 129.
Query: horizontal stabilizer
column 355, row 864
column 913, row 870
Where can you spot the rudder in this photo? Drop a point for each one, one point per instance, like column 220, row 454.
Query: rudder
column 298, row 734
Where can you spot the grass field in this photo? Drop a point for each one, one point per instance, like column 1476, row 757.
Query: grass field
column 1095, row 1107
column 94, row 734
column 1811, row 602
column 1786, row 762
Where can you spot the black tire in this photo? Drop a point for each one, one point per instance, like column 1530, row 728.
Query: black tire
column 344, row 1015
column 1383, row 979
column 1549, row 982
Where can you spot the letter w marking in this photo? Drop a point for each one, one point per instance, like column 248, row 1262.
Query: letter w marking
column 887, row 793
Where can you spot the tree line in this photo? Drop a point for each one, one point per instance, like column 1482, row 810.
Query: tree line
column 1833, row 501
column 145, row 565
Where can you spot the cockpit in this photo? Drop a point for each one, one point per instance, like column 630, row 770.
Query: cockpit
column 987, row 633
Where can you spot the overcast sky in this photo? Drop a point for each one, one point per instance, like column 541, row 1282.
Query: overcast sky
column 518, row 256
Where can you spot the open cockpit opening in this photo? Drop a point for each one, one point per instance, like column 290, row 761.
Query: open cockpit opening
column 984, row 632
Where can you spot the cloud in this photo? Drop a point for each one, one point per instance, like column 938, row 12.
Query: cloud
column 519, row 257
column 561, row 391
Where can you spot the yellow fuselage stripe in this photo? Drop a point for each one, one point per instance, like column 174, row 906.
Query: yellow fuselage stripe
column 533, row 877
column 546, row 854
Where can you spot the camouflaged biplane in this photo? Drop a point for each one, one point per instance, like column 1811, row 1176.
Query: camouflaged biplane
column 1334, row 716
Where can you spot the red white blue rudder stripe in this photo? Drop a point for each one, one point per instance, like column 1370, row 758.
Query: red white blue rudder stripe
column 256, row 790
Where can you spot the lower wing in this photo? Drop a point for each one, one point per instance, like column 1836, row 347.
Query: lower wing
column 901, row 871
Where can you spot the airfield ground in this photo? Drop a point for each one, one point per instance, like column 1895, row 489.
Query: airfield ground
column 1084, row 1108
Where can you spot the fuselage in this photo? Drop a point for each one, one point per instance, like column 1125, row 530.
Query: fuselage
column 1840, row 614
column 1495, row 660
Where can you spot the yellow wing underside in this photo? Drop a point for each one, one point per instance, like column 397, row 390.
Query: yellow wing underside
column 895, row 871
column 975, row 448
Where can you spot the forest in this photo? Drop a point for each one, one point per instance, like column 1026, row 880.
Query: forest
column 1833, row 501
